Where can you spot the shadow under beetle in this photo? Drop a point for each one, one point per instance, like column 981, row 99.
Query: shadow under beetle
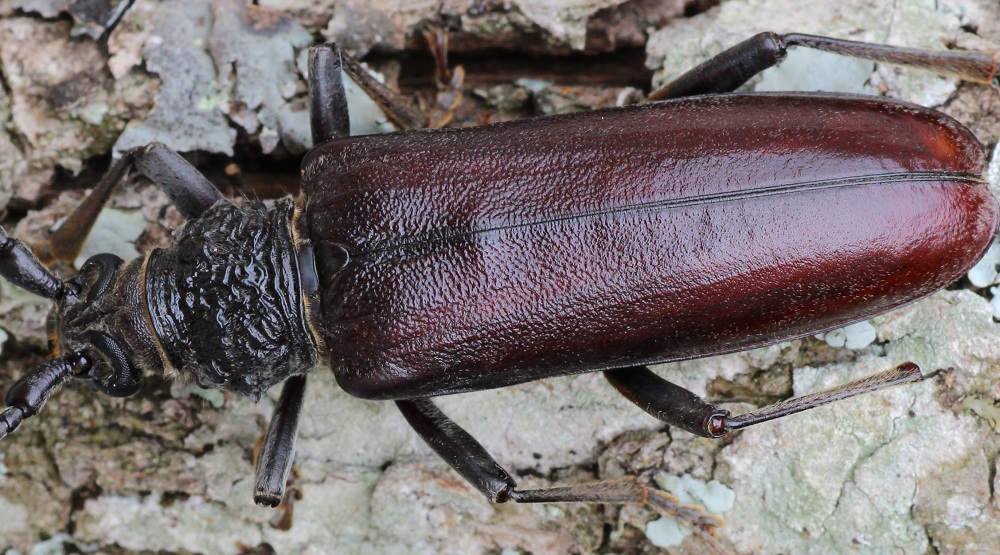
column 427, row 263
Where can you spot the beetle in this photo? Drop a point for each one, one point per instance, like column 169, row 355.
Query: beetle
column 427, row 263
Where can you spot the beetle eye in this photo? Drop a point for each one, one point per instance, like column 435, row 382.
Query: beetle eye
column 104, row 266
column 124, row 378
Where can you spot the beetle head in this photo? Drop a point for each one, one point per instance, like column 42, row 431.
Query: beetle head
column 98, row 329
column 101, row 314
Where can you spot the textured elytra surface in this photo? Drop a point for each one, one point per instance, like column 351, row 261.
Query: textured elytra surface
column 571, row 249
column 906, row 471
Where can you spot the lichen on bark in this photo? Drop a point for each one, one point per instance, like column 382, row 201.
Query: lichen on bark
column 171, row 468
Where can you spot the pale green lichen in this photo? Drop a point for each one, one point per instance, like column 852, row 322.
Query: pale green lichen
column 666, row 532
column 93, row 113
column 713, row 496
column 984, row 273
column 811, row 70
column 114, row 232
column 854, row 336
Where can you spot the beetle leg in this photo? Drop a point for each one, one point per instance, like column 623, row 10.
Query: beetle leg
column 437, row 40
column 464, row 454
column 186, row 187
column 668, row 402
column 904, row 373
column 449, row 81
column 328, row 102
column 728, row 70
column 278, row 450
column 65, row 243
column 400, row 111
column 458, row 448
column 735, row 66
column 619, row 492
column 681, row 408
column 328, row 114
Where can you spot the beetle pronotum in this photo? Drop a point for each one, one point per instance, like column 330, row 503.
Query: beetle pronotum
column 344, row 286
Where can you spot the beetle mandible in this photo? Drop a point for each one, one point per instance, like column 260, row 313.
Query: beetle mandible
column 429, row 263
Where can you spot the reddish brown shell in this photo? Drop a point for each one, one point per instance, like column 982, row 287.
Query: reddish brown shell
column 490, row 256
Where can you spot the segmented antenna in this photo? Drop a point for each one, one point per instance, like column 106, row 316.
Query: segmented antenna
column 19, row 266
column 26, row 397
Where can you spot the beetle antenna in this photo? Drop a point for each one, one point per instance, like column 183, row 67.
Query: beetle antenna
column 906, row 372
column 21, row 267
column 26, row 397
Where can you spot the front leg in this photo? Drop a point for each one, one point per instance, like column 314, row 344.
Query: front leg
column 327, row 100
column 190, row 192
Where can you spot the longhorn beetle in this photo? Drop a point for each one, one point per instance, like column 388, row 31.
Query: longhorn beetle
column 432, row 262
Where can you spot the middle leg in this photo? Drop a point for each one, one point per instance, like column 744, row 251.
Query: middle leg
column 470, row 459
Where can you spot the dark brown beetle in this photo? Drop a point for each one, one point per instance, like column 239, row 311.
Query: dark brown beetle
column 427, row 263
